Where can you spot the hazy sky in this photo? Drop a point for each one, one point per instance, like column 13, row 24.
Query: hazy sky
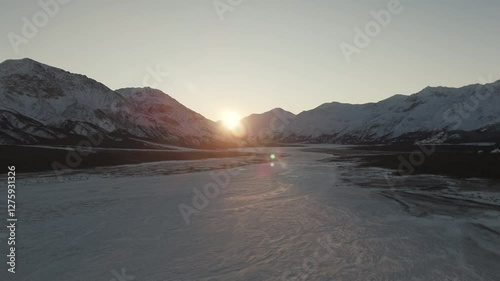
column 264, row 53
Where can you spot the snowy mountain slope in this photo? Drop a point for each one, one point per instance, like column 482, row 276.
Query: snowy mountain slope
column 436, row 109
column 39, row 102
column 15, row 128
column 52, row 96
column 160, row 113
column 264, row 126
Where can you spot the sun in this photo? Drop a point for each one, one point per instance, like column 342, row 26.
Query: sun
column 231, row 119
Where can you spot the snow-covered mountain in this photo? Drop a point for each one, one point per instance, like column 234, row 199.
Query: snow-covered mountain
column 163, row 117
column 456, row 113
column 266, row 126
column 435, row 114
column 44, row 104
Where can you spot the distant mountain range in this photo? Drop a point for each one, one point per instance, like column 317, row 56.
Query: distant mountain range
column 40, row 104
column 43, row 104
column 268, row 126
column 433, row 115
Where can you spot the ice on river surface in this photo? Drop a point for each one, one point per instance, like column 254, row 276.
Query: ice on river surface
column 298, row 219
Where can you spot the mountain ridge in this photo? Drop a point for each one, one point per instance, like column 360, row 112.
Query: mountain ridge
column 32, row 93
column 408, row 118
column 44, row 104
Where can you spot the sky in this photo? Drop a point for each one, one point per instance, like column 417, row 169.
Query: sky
column 249, row 56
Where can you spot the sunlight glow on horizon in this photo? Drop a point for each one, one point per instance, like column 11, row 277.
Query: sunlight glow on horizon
column 231, row 120
column 254, row 60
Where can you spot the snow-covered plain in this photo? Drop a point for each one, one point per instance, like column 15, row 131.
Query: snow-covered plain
column 295, row 219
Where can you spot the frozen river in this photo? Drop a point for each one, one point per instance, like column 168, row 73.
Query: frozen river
column 295, row 219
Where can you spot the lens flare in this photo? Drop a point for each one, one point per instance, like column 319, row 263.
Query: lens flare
column 239, row 131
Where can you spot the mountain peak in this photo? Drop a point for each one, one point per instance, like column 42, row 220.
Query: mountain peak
column 139, row 92
column 21, row 65
column 278, row 109
column 57, row 105
column 146, row 88
column 23, row 60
